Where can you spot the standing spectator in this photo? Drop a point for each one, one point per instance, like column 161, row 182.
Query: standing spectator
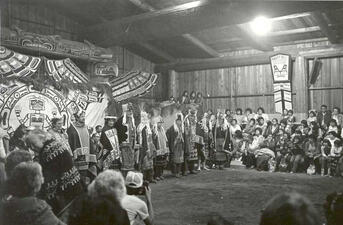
column 199, row 99
column 23, row 207
column 162, row 150
column 192, row 97
column 324, row 117
column 62, row 180
column 59, row 133
column 184, row 99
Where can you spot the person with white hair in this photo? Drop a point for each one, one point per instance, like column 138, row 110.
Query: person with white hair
column 111, row 183
column 22, row 206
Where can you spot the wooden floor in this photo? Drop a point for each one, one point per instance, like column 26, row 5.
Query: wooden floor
column 237, row 194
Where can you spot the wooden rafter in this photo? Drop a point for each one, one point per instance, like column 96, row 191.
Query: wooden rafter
column 157, row 51
column 324, row 27
column 195, row 41
column 247, row 60
column 252, row 40
column 189, row 18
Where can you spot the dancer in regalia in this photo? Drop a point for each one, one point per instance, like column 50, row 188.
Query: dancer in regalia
column 194, row 141
column 162, row 150
column 110, row 156
column 176, row 144
column 221, row 140
column 79, row 141
column 127, row 138
column 147, row 150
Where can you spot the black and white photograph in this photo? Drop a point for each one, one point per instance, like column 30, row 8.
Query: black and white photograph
column 171, row 112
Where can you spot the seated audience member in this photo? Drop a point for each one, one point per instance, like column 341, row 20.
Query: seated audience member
column 184, row 99
column 272, row 128
column 291, row 117
column 283, row 125
column 12, row 160
column 282, row 150
column 290, row 209
column 284, row 116
column 234, row 126
column 228, row 115
column 269, row 142
column 314, row 129
column 261, row 113
column 336, row 115
column 17, row 141
column 333, row 126
column 324, row 117
column 333, row 208
column 297, row 153
column 335, row 155
column 199, row 99
column 312, row 117
column 248, row 115
column 325, row 150
column 62, row 180
column 102, row 210
column 332, row 137
column 249, row 159
column 312, row 154
column 239, row 116
column 23, row 207
column 265, row 155
column 261, row 124
column 250, row 128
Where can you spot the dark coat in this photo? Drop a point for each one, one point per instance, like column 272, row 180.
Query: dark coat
column 327, row 117
column 28, row 211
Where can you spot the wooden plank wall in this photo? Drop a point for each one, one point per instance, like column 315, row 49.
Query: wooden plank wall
column 247, row 80
column 330, row 75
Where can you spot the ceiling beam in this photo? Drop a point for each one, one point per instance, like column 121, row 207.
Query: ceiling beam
column 157, row 51
column 253, row 41
column 324, row 27
column 248, row 60
column 195, row 41
column 192, row 17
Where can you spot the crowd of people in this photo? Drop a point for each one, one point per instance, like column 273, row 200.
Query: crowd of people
column 79, row 174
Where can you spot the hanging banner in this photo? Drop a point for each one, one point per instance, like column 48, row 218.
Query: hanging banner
column 282, row 71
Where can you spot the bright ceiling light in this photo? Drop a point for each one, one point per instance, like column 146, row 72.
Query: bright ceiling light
column 261, row 25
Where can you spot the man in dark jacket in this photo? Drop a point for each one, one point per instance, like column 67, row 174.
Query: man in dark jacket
column 324, row 117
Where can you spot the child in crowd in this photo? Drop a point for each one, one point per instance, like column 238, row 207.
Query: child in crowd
column 234, row 127
column 239, row 116
column 247, row 117
column 312, row 155
column 250, row 128
column 333, row 126
column 335, row 155
column 282, row 152
column 325, row 152
column 297, row 154
column 261, row 124
column 312, row 117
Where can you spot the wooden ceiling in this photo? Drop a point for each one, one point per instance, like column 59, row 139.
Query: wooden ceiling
column 165, row 31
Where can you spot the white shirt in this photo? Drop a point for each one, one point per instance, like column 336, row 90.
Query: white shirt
column 136, row 209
